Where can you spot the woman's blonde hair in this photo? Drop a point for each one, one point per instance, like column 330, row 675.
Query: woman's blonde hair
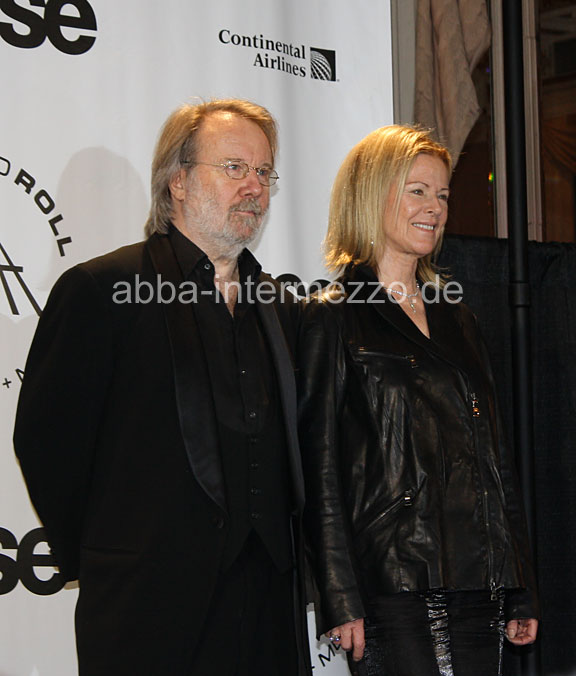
column 359, row 204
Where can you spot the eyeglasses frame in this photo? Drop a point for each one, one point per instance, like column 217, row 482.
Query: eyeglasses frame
column 273, row 177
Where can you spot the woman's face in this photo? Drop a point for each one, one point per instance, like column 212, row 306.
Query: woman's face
column 423, row 209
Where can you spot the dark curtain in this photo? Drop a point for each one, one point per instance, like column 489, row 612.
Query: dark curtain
column 559, row 144
column 481, row 266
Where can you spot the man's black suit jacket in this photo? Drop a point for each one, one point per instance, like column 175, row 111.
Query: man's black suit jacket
column 116, row 436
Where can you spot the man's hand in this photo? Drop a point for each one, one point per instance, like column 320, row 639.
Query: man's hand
column 523, row 631
column 350, row 636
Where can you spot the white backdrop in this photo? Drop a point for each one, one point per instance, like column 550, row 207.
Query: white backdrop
column 86, row 85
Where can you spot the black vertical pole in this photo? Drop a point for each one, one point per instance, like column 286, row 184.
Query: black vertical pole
column 519, row 274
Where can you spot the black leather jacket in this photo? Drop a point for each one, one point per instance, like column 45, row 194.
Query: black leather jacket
column 410, row 484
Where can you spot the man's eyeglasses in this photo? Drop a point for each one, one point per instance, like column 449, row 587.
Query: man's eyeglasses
column 238, row 170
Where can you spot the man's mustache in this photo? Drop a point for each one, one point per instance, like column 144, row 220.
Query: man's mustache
column 249, row 204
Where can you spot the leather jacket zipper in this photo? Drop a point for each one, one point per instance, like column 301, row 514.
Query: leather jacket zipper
column 475, row 407
column 410, row 358
column 493, row 591
column 476, row 412
column 403, row 500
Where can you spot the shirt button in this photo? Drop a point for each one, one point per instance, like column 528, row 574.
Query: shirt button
column 253, row 440
column 243, row 372
column 218, row 521
column 207, row 266
column 254, row 465
column 255, row 515
column 255, row 491
column 252, row 415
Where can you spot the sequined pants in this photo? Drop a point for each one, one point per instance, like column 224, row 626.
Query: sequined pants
column 434, row 633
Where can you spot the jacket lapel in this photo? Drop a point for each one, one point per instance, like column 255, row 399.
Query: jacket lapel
column 445, row 330
column 286, row 382
column 446, row 333
column 449, row 337
column 395, row 315
column 192, row 383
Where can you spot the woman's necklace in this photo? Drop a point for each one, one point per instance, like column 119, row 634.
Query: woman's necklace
column 410, row 297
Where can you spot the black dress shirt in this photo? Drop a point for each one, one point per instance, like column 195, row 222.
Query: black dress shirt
column 247, row 404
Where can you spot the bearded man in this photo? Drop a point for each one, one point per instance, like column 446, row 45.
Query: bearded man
column 156, row 432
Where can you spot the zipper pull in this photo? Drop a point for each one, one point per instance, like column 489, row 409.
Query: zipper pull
column 412, row 361
column 475, row 407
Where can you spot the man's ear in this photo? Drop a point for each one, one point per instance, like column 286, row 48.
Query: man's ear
column 177, row 185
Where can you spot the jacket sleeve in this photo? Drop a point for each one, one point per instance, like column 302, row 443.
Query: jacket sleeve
column 520, row 603
column 321, row 381
column 62, row 397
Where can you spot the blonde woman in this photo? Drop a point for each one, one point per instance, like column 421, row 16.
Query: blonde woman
column 415, row 524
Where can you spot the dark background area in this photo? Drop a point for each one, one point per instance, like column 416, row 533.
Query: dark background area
column 481, row 266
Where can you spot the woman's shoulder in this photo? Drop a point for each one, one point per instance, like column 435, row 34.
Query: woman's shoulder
column 463, row 312
column 325, row 303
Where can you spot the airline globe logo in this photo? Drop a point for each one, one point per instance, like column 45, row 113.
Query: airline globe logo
column 287, row 57
column 322, row 64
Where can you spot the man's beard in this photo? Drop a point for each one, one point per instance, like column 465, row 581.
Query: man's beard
column 250, row 223
column 237, row 231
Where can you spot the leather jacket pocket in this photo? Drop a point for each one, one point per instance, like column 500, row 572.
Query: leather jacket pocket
column 362, row 353
column 405, row 500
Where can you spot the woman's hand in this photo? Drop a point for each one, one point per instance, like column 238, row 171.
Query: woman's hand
column 350, row 636
column 523, row 631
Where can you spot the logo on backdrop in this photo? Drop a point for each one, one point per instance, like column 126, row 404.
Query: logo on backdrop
column 286, row 57
column 323, row 64
column 16, row 291
column 66, row 30
column 6, row 266
column 23, row 180
column 22, row 566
